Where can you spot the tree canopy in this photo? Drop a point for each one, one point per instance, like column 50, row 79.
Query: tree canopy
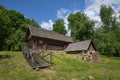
column 12, row 28
column 81, row 27
column 59, row 26
column 107, row 37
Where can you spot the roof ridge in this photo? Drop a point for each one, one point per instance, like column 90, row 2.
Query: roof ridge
column 51, row 31
column 37, row 31
column 81, row 41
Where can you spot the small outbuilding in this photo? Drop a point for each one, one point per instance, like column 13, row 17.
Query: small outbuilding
column 78, row 47
column 44, row 39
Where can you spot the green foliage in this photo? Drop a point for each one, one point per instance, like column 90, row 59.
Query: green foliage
column 12, row 28
column 81, row 27
column 106, row 43
column 59, row 26
column 16, row 40
column 32, row 22
column 107, row 37
column 4, row 26
column 106, row 14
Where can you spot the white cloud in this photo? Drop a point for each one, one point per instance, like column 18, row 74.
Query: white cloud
column 92, row 9
column 47, row 25
column 62, row 13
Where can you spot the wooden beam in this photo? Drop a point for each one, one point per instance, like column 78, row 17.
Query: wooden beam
column 45, row 46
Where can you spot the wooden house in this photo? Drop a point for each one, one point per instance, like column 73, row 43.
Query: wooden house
column 44, row 39
column 78, row 47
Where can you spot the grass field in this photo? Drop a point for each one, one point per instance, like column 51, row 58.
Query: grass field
column 65, row 67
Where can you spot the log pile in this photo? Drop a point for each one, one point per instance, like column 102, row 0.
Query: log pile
column 90, row 56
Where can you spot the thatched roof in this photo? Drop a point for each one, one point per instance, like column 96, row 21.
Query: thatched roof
column 38, row 32
column 79, row 46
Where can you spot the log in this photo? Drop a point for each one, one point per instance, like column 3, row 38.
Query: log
column 90, row 56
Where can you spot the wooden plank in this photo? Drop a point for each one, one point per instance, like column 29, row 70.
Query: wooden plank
column 31, row 56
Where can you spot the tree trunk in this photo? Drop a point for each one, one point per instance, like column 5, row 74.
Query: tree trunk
column 9, row 47
column 13, row 48
column 0, row 47
column 20, row 47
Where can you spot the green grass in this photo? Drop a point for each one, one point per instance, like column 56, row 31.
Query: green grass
column 65, row 67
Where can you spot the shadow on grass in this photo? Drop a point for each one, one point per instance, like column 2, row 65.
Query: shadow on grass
column 4, row 56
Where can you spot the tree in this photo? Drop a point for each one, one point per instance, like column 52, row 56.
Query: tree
column 106, row 15
column 106, row 43
column 16, row 40
column 12, row 28
column 81, row 26
column 106, row 37
column 4, row 26
column 18, row 27
column 59, row 26
column 32, row 22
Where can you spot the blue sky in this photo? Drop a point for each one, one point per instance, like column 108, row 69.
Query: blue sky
column 42, row 10
column 45, row 12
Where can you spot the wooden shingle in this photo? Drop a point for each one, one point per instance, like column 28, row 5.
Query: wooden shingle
column 80, row 46
column 38, row 32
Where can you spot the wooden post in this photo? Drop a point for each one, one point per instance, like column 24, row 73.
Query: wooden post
column 50, row 57
column 64, row 46
column 45, row 46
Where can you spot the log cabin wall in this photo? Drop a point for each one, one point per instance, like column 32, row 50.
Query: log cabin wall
column 91, row 48
column 30, row 43
column 47, row 44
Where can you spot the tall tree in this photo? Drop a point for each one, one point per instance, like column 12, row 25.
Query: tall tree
column 81, row 27
column 4, row 26
column 59, row 26
column 107, row 37
column 106, row 14
column 12, row 28
column 108, row 18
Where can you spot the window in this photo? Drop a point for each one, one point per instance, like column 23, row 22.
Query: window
column 40, row 41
